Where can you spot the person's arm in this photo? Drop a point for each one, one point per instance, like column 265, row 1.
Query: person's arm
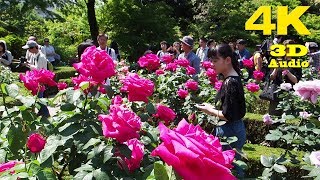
column 210, row 110
column 273, row 75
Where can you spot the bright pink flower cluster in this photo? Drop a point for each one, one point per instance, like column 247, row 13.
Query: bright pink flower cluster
column 194, row 154
column 36, row 80
column 247, row 63
column 171, row 67
column 182, row 62
column 258, row 75
column 212, row 75
column 217, row 85
column 138, row 89
column 36, row 143
column 253, row 87
column 165, row 113
column 191, row 84
column 136, row 148
column 8, row 165
column 121, row 124
column 182, row 93
column 167, row 58
column 207, row 65
column 149, row 61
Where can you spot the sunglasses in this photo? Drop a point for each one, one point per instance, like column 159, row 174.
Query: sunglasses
column 46, row 41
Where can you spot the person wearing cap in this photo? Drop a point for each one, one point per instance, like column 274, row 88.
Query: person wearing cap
column 187, row 45
column 102, row 40
column 163, row 51
column 49, row 51
column 242, row 51
column 37, row 59
column 314, row 54
column 202, row 51
column 28, row 54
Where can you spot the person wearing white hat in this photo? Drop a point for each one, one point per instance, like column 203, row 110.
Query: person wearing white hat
column 37, row 58
column 187, row 45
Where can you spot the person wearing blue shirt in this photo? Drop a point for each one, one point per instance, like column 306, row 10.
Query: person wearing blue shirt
column 187, row 45
column 241, row 51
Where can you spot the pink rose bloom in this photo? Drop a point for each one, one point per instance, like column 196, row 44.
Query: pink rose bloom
column 314, row 158
column 247, row 63
column 267, row 119
column 167, row 58
column 117, row 100
column 182, row 93
column 171, row 67
column 121, row 124
column 190, row 70
column 62, row 85
column 36, row 143
column 207, row 65
column 212, row 75
column 304, row 115
column 192, row 85
column 253, row 87
column 8, row 165
column 308, row 90
column 138, row 89
column 36, row 80
column 182, row 62
column 217, row 85
column 285, row 86
column 165, row 113
column 149, row 61
column 194, row 154
column 96, row 65
column 136, row 148
column 159, row 72
column 80, row 79
column 258, row 75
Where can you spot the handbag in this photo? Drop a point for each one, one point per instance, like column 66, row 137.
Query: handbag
column 269, row 91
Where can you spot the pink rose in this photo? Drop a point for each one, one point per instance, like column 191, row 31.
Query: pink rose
column 217, row 85
column 314, row 158
column 149, row 61
column 165, row 113
column 190, row 70
column 171, row 67
column 212, row 75
column 136, row 148
column 62, row 85
column 182, row 62
column 36, row 80
column 182, row 93
column 285, row 86
column 121, row 124
column 308, row 90
column 304, row 115
column 167, row 58
column 138, row 89
column 96, row 64
column 253, row 87
column 207, row 65
column 36, row 143
column 267, row 119
column 191, row 84
column 258, row 75
column 117, row 100
column 247, row 63
column 194, row 154
column 8, row 165
column 159, row 72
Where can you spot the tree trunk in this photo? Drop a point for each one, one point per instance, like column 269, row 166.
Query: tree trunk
column 94, row 30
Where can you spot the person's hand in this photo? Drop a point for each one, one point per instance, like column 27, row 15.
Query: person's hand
column 205, row 107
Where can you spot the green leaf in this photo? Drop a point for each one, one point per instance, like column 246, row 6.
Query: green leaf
column 144, row 117
column 27, row 116
column 46, row 174
column 3, row 154
column 16, row 138
column 279, row 168
column 265, row 161
column 103, row 103
column 151, row 109
column 73, row 95
column 68, row 107
column 124, row 150
column 12, row 90
column 4, row 89
column 274, row 135
column 91, row 142
column 160, row 171
column 241, row 164
column 84, row 85
column 267, row 172
column 145, row 140
column 80, row 175
column 28, row 101
column 232, row 139
column 100, row 175
column 107, row 153
column 52, row 143
column 315, row 172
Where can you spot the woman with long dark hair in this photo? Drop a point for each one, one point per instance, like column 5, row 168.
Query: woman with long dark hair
column 5, row 55
column 229, row 102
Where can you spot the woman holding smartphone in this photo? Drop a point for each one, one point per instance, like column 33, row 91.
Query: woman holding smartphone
column 229, row 102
